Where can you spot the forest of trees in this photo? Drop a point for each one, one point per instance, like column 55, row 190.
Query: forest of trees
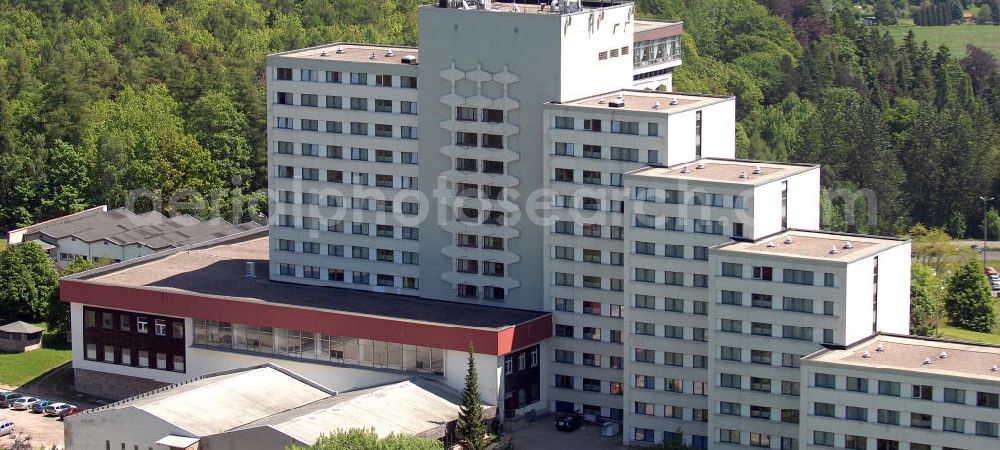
column 101, row 97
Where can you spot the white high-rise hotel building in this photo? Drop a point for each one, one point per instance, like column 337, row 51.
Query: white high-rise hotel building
column 536, row 159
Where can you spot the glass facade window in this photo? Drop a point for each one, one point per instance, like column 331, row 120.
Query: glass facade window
column 317, row 346
column 656, row 51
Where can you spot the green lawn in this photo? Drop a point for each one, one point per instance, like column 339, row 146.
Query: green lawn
column 19, row 368
column 955, row 37
column 950, row 332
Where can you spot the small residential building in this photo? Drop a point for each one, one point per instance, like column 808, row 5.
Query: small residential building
column 896, row 392
column 18, row 337
column 120, row 234
column 265, row 407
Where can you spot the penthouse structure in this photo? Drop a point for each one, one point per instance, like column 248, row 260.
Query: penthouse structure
column 541, row 193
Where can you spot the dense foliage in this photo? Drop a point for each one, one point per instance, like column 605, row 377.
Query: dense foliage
column 28, row 282
column 356, row 439
column 102, row 98
column 968, row 302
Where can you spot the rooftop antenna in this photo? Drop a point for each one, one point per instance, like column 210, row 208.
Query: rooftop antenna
column 324, row 53
column 656, row 104
column 743, row 174
column 685, row 169
column 373, row 56
column 340, row 49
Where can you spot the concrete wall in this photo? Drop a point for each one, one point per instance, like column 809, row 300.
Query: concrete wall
column 117, row 428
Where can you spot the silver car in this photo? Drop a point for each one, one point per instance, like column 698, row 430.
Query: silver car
column 6, row 426
column 22, row 403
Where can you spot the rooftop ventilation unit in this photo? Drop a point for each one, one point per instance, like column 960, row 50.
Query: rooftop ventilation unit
column 879, row 348
column 771, row 244
column 848, row 244
column 324, row 53
column 833, row 250
column 251, row 271
column 866, row 355
column 757, row 171
column 743, row 174
column 389, row 53
column 943, row 355
column 788, row 240
column 340, row 50
column 674, row 101
column 656, row 104
column 373, row 56
column 617, row 103
column 995, row 368
column 700, row 165
column 927, row 361
column 408, row 59
column 602, row 101
column 685, row 169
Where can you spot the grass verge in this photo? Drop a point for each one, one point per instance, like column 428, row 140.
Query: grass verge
column 17, row 369
column 955, row 37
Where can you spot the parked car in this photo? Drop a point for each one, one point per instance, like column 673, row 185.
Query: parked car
column 6, row 426
column 990, row 271
column 55, row 408
column 569, row 422
column 995, row 285
column 69, row 411
column 40, row 405
column 7, row 397
column 23, row 403
column 995, row 277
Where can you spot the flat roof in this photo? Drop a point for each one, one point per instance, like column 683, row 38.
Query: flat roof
column 908, row 353
column 719, row 170
column 530, row 7
column 347, row 51
column 642, row 25
column 647, row 101
column 815, row 245
column 218, row 269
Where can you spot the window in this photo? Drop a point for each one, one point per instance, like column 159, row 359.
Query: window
column 790, row 415
column 856, row 413
column 888, row 416
column 732, row 270
column 492, row 140
column 732, row 298
column 645, row 355
column 825, row 380
column 918, row 420
column 625, row 154
column 623, row 127
column 888, row 388
column 334, row 101
column 730, row 353
column 591, row 333
column 798, row 277
column 359, row 78
column 797, row 333
column 143, row 358
column 643, row 434
column 952, row 395
column 284, row 98
column 923, row 392
column 707, row 226
column 563, row 122
column 592, row 124
column 359, row 128
column 142, row 325
column 762, row 273
column 730, row 408
column 308, row 75
column 407, row 82
column 333, row 77
column 954, row 425
column 790, row 388
column 760, row 357
column 824, row 409
column 700, row 308
column 729, row 436
column 760, row 439
column 987, row 399
column 699, row 361
column 797, row 304
column 857, row 384
column 284, row 73
column 986, row 429
column 823, row 438
column 673, row 332
column 729, row 380
column 653, row 130
column 731, row 326
column 309, row 100
column 855, row 442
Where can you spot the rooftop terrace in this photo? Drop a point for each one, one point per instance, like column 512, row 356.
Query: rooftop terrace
column 648, row 101
column 911, row 354
column 731, row 171
column 815, row 245
column 344, row 51
column 218, row 270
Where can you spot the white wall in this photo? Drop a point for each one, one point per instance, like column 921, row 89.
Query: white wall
column 718, row 130
column 490, row 368
column 581, row 72
column 117, row 428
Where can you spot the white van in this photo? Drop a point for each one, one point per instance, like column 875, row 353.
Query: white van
column 6, row 426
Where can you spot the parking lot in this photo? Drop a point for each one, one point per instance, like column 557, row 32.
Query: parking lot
column 44, row 431
column 541, row 434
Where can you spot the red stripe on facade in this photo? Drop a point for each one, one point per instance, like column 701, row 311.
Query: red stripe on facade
column 490, row 342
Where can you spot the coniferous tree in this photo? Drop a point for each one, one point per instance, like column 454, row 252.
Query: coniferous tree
column 968, row 301
column 471, row 422
column 923, row 303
